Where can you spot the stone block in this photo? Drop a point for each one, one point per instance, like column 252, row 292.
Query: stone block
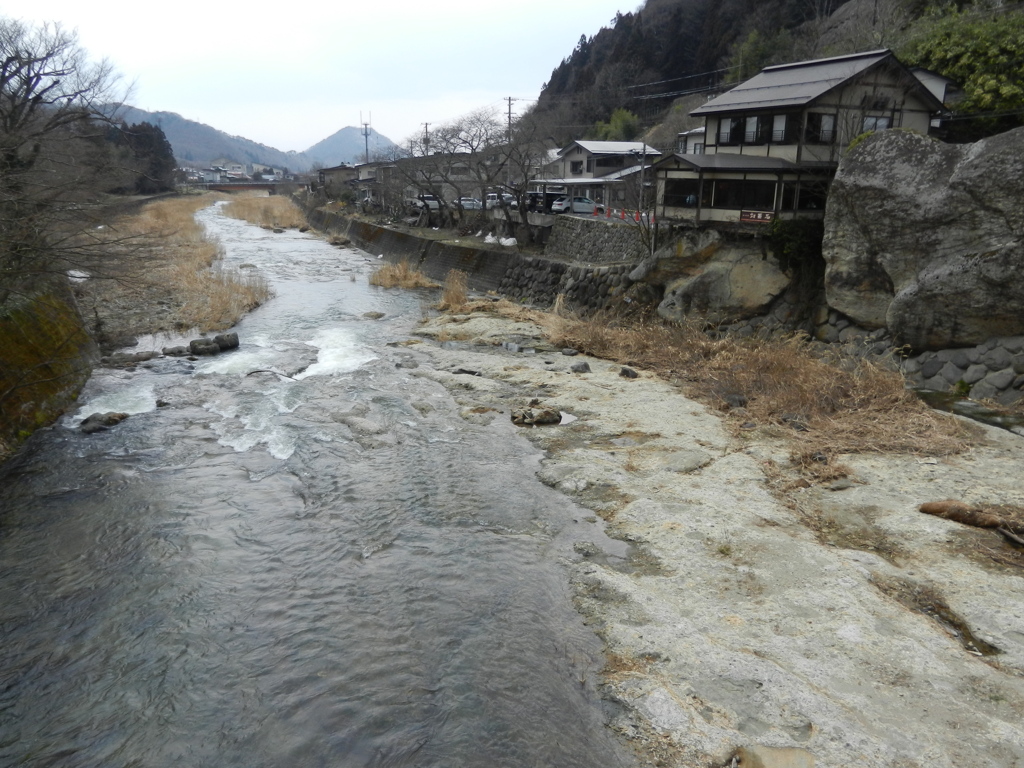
column 997, row 359
column 983, row 390
column 1009, row 396
column 851, row 333
column 951, row 373
column 827, row 333
column 931, row 368
column 958, row 357
column 975, row 373
column 1001, row 379
column 1012, row 343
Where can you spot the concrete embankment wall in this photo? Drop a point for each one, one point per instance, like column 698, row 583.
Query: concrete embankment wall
column 536, row 279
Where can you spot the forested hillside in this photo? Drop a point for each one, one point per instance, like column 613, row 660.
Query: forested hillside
column 669, row 49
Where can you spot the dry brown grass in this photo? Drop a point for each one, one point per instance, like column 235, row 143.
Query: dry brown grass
column 838, row 405
column 400, row 275
column 826, row 404
column 455, row 295
column 271, row 212
column 167, row 275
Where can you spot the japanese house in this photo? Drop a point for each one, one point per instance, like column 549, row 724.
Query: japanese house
column 771, row 145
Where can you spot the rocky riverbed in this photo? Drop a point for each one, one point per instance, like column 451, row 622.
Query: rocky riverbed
column 763, row 617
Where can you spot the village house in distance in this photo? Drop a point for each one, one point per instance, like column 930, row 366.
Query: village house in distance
column 768, row 150
column 771, row 145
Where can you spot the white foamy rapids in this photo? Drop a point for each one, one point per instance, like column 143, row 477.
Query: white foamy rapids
column 338, row 353
column 247, row 425
column 131, row 400
column 256, row 353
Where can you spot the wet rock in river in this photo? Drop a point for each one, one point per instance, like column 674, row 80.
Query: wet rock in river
column 226, row 341
column 99, row 422
column 204, row 347
column 525, row 417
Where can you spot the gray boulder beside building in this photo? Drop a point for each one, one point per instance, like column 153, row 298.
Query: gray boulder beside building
column 927, row 239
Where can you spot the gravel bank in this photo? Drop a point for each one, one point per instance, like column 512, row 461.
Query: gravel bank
column 828, row 625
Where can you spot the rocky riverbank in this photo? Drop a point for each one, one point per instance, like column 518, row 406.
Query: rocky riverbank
column 759, row 614
column 762, row 616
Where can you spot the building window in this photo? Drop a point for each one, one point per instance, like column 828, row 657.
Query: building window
column 812, row 195
column 778, row 128
column 739, row 194
column 576, row 167
column 756, row 129
column 681, row 193
column 730, row 130
column 789, row 196
column 821, row 128
column 728, row 194
column 876, row 123
column 698, row 149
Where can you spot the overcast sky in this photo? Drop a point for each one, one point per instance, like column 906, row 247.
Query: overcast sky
column 291, row 74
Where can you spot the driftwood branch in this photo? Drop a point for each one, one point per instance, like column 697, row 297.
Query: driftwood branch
column 961, row 513
column 267, row 370
column 979, row 517
column 1010, row 536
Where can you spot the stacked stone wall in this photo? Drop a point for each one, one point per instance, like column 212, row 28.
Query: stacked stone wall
column 991, row 370
column 594, row 240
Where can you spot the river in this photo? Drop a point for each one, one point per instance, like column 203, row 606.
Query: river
column 331, row 569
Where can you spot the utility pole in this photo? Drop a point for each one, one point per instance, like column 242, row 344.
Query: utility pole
column 426, row 138
column 510, row 99
column 366, row 134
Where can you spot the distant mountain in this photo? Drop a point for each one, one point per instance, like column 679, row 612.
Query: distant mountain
column 196, row 144
column 348, row 146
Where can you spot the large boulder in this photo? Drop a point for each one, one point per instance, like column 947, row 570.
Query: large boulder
column 721, row 279
column 927, row 238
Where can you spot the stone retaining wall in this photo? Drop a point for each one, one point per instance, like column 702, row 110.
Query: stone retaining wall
column 992, row 370
column 535, row 279
column 594, row 240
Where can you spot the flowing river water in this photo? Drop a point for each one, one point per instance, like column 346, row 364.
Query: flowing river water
column 331, row 569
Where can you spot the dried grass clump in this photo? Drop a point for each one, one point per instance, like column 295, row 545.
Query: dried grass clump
column 162, row 274
column 400, row 275
column 271, row 212
column 455, row 295
column 829, row 404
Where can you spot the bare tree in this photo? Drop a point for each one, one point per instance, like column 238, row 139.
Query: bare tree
column 54, row 157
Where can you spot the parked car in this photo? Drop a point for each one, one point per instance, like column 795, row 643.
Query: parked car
column 470, row 204
column 567, row 204
column 426, row 201
column 495, row 199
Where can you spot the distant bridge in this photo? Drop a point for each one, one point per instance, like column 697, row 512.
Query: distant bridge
column 242, row 186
